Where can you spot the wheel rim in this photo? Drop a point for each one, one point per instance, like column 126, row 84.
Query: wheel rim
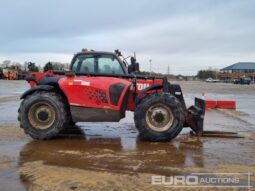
column 159, row 117
column 41, row 115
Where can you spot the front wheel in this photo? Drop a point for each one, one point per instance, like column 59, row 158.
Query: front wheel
column 159, row 117
column 42, row 115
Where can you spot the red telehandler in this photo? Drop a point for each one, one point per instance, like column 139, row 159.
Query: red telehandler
column 101, row 87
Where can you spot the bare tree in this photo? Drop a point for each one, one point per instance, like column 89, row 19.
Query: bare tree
column 6, row 63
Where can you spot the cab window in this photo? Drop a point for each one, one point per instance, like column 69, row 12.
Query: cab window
column 109, row 65
column 75, row 65
column 84, row 64
column 87, row 66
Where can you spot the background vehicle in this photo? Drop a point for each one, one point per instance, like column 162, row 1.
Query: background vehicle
column 101, row 87
column 211, row 80
column 246, row 81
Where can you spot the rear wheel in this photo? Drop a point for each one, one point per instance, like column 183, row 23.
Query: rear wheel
column 159, row 117
column 42, row 115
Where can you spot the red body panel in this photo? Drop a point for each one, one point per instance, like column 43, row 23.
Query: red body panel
column 93, row 92
column 87, row 91
column 140, row 85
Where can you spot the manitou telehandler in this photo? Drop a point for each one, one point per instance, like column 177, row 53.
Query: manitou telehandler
column 101, row 87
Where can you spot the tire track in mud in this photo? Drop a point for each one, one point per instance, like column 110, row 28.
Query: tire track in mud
column 236, row 115
column 39, row 176
column 9, row 99
column 5, row 161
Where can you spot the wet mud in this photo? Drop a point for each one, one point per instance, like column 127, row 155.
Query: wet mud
column 111, row 156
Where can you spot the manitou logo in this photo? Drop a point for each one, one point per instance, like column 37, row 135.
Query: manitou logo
column 140, row 86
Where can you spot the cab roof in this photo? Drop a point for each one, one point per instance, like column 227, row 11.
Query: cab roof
column 96, row 52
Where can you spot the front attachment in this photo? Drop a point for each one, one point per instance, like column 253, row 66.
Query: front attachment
column 194, row 116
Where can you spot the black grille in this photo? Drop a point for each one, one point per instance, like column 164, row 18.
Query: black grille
column 115, row 92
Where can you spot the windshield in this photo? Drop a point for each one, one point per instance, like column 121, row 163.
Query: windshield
column 97, row 64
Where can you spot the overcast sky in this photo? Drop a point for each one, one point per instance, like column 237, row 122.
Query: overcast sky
column 186, row 35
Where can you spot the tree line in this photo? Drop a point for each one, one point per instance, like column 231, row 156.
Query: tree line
column 209, row 73
column 33, row 67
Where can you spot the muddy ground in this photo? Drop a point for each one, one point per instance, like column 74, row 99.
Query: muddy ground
column 111, row 156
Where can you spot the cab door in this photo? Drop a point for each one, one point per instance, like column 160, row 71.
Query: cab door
column 100, row 97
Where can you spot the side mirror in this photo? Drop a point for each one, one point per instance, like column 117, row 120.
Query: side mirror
column 133, row 67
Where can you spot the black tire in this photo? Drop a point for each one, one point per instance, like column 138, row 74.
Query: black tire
column 69, row 125
column 171, row 106
column 53, row 103
column 70, row 122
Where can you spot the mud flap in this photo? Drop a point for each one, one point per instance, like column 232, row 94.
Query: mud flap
column 194, row 116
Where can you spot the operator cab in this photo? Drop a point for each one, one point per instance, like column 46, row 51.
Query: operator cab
column 102, row 63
